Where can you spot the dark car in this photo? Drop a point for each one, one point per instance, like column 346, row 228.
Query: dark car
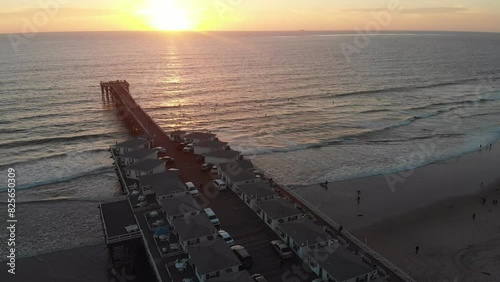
column 200, row 158
column 242, row 254
column 181, row 146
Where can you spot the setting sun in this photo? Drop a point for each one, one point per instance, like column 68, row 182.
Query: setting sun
column 168, row 15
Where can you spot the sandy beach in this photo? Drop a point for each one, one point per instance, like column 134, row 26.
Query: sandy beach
column 452, row 245
column 431, row 207
column 81, row 264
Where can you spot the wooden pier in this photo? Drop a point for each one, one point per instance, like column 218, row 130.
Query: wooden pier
column 117, row 92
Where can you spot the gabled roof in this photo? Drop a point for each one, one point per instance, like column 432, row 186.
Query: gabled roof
column 278, row 208
column 210, row 144
column 224, row 154
column 139, row 153
column 180, row 205
column 257, row 189
column 200, row 135
column 305, row 232
column 164, row 183
column 194, row 227
column 240, row 276
column 236, row 173
column 341, row 264
column 146, row 165
column 177, row 132
column 211, row 256
column 132, row 143
column 244, row 164
column 144, row 136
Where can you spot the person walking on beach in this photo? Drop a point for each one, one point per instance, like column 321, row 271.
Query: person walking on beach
column 417, row 248
column 474, row 216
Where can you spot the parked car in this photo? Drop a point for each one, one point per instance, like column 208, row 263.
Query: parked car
column 206, row 167
column 168, row 159
column 224, row 235
column 200, row 158
column 211, row 215
column 242, row 254
column 160, row 149
column 188, row 148
column 214, row 169
column 180, row 146
column 219, row 184
column 192, row 188
column 173, row 169
column 282, row 249
column 258, row 278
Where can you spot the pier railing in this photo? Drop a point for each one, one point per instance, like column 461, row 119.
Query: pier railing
column 150, row 255
column 401, row 274
column 120, row 90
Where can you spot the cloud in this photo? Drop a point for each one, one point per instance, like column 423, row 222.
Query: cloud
column 61, row 12
column 437, row 10
column 421, row 10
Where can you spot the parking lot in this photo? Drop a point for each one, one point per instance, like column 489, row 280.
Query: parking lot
column 246, row 228
column 250, row 231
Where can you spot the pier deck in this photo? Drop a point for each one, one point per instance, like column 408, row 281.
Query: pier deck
column 237, row 218
column 116, row 216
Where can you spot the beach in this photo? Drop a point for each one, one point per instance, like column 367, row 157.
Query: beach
column 452, row 246
column 80, row 264
column 431, row 207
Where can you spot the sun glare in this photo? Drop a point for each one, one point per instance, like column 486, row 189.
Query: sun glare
column 168, row 15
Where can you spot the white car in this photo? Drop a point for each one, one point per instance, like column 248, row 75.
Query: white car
column 219, row 184
column 188, row 148
column 192, row 188
column 224, row 235
column 168, row 159
column 211, row 215
column 214, row 169
column 160, row 149
column 282, row 249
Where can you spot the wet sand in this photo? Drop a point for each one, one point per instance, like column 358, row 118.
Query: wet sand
column 431, row 207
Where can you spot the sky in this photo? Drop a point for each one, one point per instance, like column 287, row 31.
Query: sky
column 20, row 16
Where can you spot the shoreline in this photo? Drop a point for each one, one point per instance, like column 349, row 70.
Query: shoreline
column 389, row 195
column 431, row 208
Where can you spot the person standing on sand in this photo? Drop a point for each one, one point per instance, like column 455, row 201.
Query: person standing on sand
column 417, row 248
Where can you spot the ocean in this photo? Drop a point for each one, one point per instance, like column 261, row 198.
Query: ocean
column 293, row 102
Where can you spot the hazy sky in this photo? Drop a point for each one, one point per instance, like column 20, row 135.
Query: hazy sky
column 82, row 15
